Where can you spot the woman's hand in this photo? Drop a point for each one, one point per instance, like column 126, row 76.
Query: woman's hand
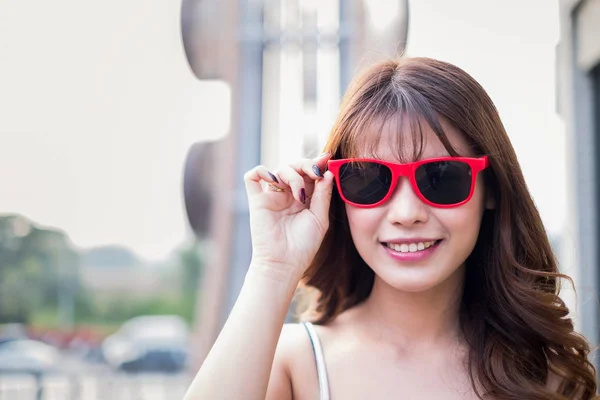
column 288, row 226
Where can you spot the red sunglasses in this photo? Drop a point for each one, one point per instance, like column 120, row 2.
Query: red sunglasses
column 440, row 182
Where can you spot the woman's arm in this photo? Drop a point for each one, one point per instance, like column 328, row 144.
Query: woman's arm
column 289, row 217
column 239, row 364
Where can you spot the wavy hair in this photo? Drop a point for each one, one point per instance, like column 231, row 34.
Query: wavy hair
column 522, row 343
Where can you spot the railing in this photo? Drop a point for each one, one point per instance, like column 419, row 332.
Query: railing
column 94, row 387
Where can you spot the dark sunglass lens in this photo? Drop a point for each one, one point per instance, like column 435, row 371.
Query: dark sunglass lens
column 365, row 182
column 444, row 182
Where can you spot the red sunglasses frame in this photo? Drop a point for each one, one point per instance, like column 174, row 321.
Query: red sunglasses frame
column 477, row 165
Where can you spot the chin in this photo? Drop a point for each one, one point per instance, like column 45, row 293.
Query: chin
column 413, row 280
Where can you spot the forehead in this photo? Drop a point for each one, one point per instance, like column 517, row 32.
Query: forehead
column 406, row 139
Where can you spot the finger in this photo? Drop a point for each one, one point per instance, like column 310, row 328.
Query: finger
column 321, row 161
column 313, row 167
column 295, row 181
column 253, row 177
column 321, row 199
column 304, row 168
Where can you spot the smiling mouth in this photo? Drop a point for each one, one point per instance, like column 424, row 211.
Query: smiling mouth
column 411, row 247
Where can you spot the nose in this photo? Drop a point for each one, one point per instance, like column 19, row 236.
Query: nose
column 405, row 207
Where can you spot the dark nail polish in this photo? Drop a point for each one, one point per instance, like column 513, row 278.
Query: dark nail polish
column 317, row 171
column 303, row 195
column 273, row 177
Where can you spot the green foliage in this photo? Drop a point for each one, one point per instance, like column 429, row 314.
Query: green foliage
column 35, row 264
column 39, row 271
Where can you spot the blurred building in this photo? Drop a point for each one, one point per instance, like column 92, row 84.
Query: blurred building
column 578, row 85
column 139, row 281
column 288, row 63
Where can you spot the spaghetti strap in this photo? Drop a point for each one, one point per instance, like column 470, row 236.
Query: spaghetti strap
column 319, row 359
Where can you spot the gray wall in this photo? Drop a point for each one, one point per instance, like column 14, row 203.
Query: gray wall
column 578, row 54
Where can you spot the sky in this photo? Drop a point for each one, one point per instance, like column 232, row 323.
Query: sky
column 97, row 150
column 96, row 121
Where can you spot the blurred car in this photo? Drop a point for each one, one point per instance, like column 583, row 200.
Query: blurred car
column 25, row 356
column 149, row 343
column 12, row 331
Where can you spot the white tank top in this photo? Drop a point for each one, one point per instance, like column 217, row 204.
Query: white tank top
column 320, row 361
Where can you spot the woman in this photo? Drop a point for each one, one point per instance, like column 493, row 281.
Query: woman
column 432, row 273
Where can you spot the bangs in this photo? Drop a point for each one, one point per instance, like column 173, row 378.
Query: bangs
column 396, row 108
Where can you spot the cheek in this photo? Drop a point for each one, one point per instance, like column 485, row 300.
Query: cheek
column 462, row 220
column 465, row 219
column 363, row 222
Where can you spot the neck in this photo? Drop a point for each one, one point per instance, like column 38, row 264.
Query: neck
column 415, row 319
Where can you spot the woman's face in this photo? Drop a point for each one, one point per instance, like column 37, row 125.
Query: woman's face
column 378, row 233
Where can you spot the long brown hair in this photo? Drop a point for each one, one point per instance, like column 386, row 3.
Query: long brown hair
column 518, row 329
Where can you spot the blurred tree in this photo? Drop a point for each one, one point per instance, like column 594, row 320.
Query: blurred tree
column 39, row 280
column 109, row 256
column 38, row 269
column 190, row 264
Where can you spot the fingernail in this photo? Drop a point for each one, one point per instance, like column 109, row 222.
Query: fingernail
column 303, row 195
column 317, row 171
column 273, row 177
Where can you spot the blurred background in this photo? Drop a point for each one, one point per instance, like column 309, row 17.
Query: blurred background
column 126, row 128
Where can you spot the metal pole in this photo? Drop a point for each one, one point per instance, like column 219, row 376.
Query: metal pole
column 346, row 25
column 39, row 386
column 404, row 24
column 248, row 146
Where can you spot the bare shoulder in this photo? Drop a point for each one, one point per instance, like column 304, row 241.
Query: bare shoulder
column 292, row 335
column 295, row 348
column 293, row 365
column 295, row 340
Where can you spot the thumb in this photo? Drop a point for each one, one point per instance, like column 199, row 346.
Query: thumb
column 321, row 198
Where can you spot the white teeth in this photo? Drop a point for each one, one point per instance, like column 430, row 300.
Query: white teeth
column 410, row 247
